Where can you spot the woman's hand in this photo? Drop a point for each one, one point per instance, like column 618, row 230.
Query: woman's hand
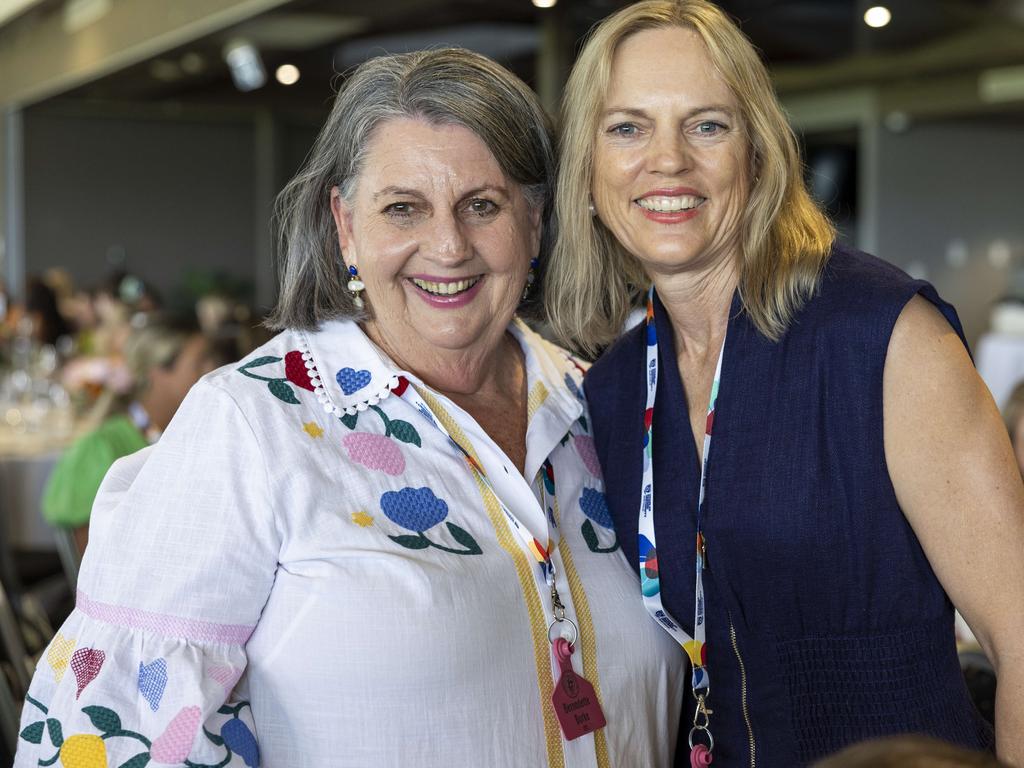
column 958, row 484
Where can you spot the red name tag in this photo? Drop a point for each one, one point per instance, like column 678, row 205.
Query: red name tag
column 576, row 705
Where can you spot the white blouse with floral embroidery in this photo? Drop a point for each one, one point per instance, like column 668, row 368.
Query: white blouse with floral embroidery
column 304, row 571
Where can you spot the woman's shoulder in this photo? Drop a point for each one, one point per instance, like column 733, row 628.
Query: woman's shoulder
column 274, row 375
column 618, row 364
column 859, row 292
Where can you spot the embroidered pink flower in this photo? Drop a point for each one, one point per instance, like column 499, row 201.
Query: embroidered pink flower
column 585, row 448
column 226, row 676
column 374, row 451
column 174, row 744
column 295, row 370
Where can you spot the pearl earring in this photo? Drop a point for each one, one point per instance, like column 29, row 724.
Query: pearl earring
column 356, row 287
column 592, row 209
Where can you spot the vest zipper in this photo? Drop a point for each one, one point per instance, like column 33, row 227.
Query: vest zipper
column 743, row 693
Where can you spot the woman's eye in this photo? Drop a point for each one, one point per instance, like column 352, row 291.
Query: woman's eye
column 481, row 207
column 623, row 129
column 709, row 128
column 398, row 209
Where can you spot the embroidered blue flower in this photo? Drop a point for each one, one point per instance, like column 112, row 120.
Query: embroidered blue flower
column 416, row 509
column 595, row 507
column 570, row 383
column 240, row 740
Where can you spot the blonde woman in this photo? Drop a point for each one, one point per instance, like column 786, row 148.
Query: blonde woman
column 800, row 459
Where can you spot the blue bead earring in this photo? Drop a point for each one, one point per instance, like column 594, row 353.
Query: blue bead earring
column 356, row 286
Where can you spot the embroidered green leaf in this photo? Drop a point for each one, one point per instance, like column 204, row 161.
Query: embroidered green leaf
column 404, row 431
column 349, row 420
column 141, row 760
column 590, row 536
column 411, row 542
column 465, row 539
column 56, row 732
column 33, row 734
column 282, row 391
column 260, row 361
column 213, row 736
column 103, row 720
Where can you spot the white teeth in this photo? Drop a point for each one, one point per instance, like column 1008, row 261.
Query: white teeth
column 445, row 289
column 670, row 204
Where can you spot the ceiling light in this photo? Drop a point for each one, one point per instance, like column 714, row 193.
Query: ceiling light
column 877, row 16
column 245, row 64
column 287, row 74
column 545, row 3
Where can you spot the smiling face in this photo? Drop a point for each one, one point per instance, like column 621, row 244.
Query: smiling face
column 671, row 172
column 441, row 239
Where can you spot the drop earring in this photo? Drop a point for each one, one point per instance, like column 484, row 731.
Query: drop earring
column 356, row 286
column 531, row 277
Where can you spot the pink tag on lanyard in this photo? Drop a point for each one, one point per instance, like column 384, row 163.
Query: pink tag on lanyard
column 576, row 705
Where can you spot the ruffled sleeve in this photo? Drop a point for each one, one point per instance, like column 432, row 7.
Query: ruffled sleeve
column 182, row 554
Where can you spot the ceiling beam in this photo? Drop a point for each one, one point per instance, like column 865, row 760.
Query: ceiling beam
column 41, row 59
column 976, row 48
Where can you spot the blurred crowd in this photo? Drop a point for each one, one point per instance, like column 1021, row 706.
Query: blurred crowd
column 98, row 372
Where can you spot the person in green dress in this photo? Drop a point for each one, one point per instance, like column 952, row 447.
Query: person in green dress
column 165, row 360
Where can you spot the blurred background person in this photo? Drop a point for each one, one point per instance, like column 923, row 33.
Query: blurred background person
column 165, row 359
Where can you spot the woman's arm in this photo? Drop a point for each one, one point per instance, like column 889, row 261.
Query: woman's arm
column 957, row 482
column 181, row 560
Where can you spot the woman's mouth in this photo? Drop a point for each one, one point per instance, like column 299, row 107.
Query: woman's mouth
column 446, row 287
column 667, row 204
column 445, row 293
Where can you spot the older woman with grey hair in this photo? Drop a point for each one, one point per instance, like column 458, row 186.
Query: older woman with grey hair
column 382, row 538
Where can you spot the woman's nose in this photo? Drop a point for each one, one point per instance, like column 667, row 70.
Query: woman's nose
column 669, row 154
column 448, row 239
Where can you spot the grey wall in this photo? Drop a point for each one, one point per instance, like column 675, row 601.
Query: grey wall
column 167, row 193
column 950, row 205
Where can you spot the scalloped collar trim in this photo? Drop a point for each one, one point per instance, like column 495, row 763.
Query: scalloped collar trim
column 349, row 373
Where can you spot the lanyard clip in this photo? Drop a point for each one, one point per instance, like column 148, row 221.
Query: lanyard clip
column 701, row 717
column 556, row 604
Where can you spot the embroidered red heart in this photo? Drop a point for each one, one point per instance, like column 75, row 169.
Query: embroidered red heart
column 400, row 387
column 295, row 370
column 86, row 663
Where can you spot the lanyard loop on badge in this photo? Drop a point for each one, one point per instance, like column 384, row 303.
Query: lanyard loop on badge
column 650, row 582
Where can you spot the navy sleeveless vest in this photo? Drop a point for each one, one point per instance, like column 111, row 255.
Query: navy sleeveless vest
column 826, row 623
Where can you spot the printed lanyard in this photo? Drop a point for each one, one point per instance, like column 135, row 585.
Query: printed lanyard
column 541, row 553
column 574, row 699
column 649, row 580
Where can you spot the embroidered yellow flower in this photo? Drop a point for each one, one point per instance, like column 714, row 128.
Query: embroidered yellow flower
column 362, row 519
column 58, row 654
column 312, row 429
column 84, row 750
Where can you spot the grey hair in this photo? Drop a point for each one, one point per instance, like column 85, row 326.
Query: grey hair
column 447, row 86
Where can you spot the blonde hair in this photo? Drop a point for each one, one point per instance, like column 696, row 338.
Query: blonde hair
column 157, row 344
column 785, row 241
column 908, row 752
